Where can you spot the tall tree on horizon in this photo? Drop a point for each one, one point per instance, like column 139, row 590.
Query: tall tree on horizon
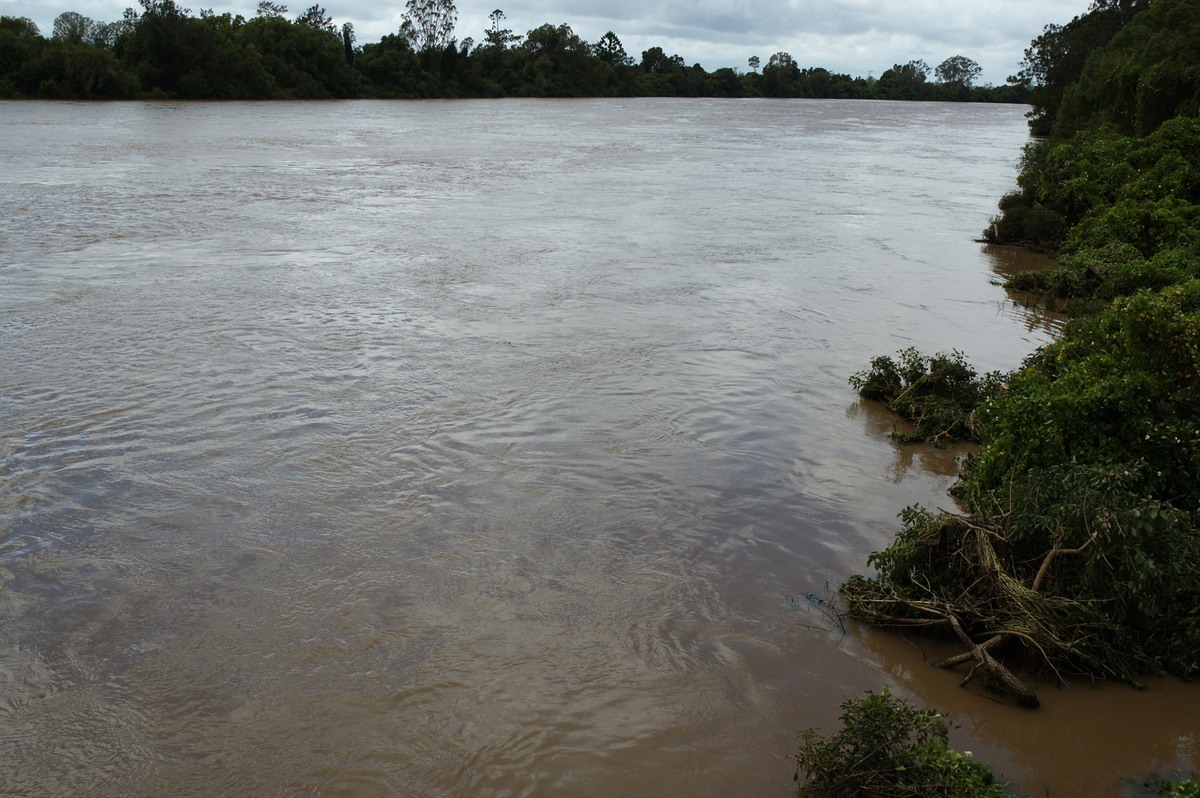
column 610, row 49
column 497, row 36
column 958, row 69
column 429, row 24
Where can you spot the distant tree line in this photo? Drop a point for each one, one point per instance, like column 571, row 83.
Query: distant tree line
column 163, row 51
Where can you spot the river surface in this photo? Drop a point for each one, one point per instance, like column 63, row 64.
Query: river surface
column 486, row 448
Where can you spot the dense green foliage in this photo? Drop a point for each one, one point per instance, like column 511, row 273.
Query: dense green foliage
column 164, row 51
column 1081, row 549
column 1084, row 541
column 1116, row 193
column 1148, row 73
column 1122, row 213
column 888, row 749
column 1083, row 544
column 1056, row 58
column 937, row 394
column 1121, row 386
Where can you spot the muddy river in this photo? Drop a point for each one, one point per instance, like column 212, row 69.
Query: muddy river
column 486, row 448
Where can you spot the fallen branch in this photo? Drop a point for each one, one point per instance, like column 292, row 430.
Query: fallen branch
column 1020, row 691
column 967, row 656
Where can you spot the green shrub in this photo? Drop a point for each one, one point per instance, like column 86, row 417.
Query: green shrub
column 1051, row 283
column 889, row 749
column 1118, row 387
column 938, row 394
column 1101, row 188
column 1114, row 270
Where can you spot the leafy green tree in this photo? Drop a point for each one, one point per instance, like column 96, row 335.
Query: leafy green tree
column 843, row 86
column 904, row 82
column 317, row 18
column 1055, row 59
column 655, row 60
column 610, row 50
column 393, row 69
column 958, row 73
column 20, row 41
column 167, row 49
column 496, row 36
column 560, row 64
column 781, row 76
column 303, row 62
column 663, row 75
column 348, row 42
column 725, row 82
column 73, row 27
column 494, row 64
column 68, row 66
column 22, row 27
column 754, row 63
column 1148, row 73
column 105, row 34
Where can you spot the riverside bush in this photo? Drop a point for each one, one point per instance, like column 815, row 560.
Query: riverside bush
column 1082, row 548
column 1119, row 395
column 1117, row 387
column 1083, row 545
column 1188, row 788
column 889, row 749
column 938, row 394
column 1101, row 193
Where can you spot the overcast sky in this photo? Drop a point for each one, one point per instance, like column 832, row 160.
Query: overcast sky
column 858, row 37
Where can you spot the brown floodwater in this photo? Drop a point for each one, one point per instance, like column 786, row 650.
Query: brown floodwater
column 487, row 448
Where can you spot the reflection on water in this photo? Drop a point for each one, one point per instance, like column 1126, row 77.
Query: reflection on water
column 481, row 448
column 930, row 460
column 1009, row 260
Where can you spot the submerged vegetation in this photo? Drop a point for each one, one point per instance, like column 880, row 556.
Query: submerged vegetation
column 937, row 394
column 163, row 51
column 1079, row 550
column 1186, row 788
column 888, row 749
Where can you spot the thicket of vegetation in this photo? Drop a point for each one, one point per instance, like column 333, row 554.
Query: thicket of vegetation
column 1055, row 59
column 1115, row 193
column 1079, row 552
column 937, row 394
column 888, row 749
column 163, row 51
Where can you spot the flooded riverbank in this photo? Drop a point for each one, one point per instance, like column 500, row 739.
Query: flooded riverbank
column 483, row 447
